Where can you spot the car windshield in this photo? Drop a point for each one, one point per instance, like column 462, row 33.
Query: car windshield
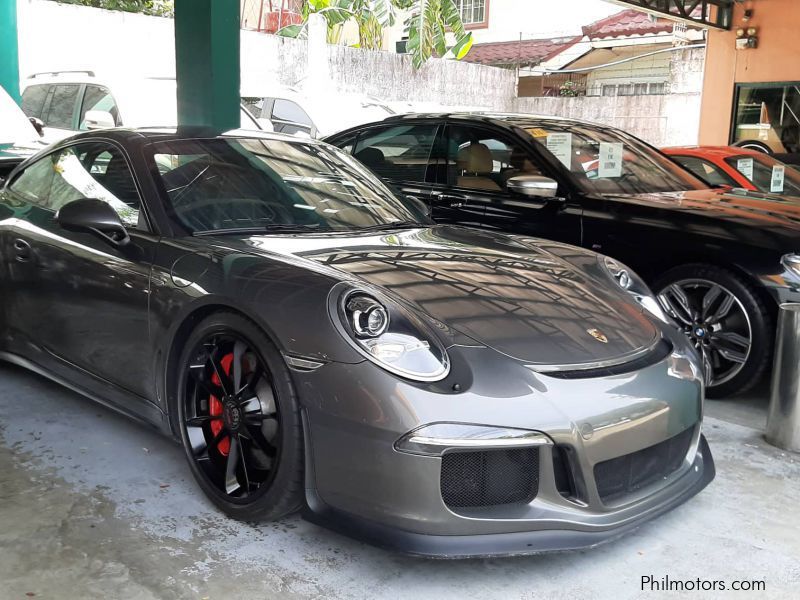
column 14, row 125
column 767, row 174
column 604, row 161
column 228, row 184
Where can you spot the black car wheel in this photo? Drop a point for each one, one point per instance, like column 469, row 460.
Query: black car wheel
column 726, row 321
column 239, row 417
column 754, row 145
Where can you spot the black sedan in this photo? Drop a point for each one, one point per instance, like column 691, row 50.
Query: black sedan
column 720, row 262
column 313, row 341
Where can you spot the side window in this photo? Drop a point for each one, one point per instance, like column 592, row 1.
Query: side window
column 399, row 152
column 94, row 170
column 62, row 106
column 33, row 100
column 291, row 112
column 482, row 160
column 346, row 143
column 709, row 172
column 99, row 99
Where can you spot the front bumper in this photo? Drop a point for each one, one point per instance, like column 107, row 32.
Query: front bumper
column 359, row 483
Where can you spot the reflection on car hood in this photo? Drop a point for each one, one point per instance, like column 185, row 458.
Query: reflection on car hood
column 520, row 299
column 771, row 217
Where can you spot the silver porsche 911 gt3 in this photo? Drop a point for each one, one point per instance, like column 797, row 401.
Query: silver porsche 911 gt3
column 316, row 342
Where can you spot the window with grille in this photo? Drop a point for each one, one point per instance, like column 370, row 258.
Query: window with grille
column 473, row 12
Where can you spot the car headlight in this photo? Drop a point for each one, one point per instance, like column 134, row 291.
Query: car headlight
column 392, row 337
column 629, row 281
column 791, row 262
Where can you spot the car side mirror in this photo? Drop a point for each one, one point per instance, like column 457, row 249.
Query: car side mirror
column 420, row 205
column 38, row 125
column 95, row 216
column 533, row 186
column 99, row 119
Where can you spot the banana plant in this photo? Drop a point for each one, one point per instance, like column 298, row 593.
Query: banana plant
column 427, row 26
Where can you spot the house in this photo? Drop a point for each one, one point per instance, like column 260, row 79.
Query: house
column 627, row 53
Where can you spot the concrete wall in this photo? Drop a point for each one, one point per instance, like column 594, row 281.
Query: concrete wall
column 117, row 44
column 777, row 59
column 668, row 120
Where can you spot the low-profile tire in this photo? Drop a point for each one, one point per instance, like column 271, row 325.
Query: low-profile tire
column 240, row 426
column 754, row 145
column 725, row 318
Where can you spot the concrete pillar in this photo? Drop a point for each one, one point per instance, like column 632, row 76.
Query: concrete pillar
column 9, row 49
column 318, row 78
column 207, row 51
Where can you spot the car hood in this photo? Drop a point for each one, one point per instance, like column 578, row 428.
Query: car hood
column 520, row 297
column 773, row 215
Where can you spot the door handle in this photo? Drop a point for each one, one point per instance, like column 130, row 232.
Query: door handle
column 452, row 200
column 22, row 250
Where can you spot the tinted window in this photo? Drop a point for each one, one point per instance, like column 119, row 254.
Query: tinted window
column 400, row 152
column 222, row 184
column 62, row 106
column 482, row 160
column 83, row 171
column 758, row 168
column 33, row 100
column 97, row 98
column 707, row 171
column 607, row 161
column 286, row 110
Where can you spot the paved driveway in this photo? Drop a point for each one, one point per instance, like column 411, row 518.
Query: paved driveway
column 92, row 505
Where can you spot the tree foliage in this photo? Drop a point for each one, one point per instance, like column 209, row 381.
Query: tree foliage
column 160, row 8
column 427, row 26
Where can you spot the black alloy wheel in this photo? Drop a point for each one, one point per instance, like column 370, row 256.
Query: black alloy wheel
column 239, row 419
column 725, row 320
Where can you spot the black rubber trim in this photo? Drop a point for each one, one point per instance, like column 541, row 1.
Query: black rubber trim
column 487, row 545
column 659, row 352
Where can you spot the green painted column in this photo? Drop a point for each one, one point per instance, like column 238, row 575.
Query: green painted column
column 9, row 48
column 207, row 63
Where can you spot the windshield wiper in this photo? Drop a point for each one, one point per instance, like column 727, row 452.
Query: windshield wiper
column 276, row 228
column 390, row 226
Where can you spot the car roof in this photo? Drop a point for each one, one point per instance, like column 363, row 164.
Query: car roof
column 708, row 151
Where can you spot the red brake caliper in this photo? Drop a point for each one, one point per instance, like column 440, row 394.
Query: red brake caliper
column 215, row 406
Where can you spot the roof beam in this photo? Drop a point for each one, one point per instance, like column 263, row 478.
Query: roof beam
column 706, row 13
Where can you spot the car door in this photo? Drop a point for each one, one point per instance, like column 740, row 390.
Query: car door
column 79, row 301
column 402, row 154
column 481, row 161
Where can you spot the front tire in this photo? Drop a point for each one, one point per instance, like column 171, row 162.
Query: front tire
column 725, row 319
column 239, row 420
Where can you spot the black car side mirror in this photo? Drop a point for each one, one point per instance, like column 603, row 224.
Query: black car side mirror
column 420, row 205
column 95, row 216
column 533, row 186
column 38, row 125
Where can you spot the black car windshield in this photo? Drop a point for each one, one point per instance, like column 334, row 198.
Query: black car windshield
column 228, row 184
column 604, row 161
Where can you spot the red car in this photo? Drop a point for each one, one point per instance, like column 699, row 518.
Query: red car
column 739, row 168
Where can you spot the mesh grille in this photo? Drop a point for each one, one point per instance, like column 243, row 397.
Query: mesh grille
column 472, row 479
column 626, row 474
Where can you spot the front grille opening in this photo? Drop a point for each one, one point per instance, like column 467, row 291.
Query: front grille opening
column 618, row 477
column 562, row 470
column 490, row 478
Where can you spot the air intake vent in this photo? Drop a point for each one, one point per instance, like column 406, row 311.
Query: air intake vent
column 626, row 474
column 490, row 478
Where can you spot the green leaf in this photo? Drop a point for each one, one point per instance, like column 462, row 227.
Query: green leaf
column 462, row 46
column 290, row 31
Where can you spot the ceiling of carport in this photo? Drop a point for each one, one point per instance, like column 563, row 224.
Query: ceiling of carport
column 708, row 13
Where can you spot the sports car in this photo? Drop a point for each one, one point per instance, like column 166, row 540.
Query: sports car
column 317, row 343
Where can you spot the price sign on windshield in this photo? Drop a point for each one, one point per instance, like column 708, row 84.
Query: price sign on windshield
column 610, row 160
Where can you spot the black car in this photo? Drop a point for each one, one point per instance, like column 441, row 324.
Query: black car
column 721, row 261
column 269, row 302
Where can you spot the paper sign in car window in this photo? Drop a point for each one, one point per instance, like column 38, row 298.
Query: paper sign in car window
column 745, row 167
column 776, row 183
column 560, row 145
column 609, row 160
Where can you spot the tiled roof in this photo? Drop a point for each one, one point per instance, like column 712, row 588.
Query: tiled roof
column 625, row 23
column 525, row 52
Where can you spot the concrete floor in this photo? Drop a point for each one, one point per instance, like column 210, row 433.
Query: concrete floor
column 94, row 506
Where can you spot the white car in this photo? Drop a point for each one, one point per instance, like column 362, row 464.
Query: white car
column 293, row 112
column 19, row 137
column 70, row 101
